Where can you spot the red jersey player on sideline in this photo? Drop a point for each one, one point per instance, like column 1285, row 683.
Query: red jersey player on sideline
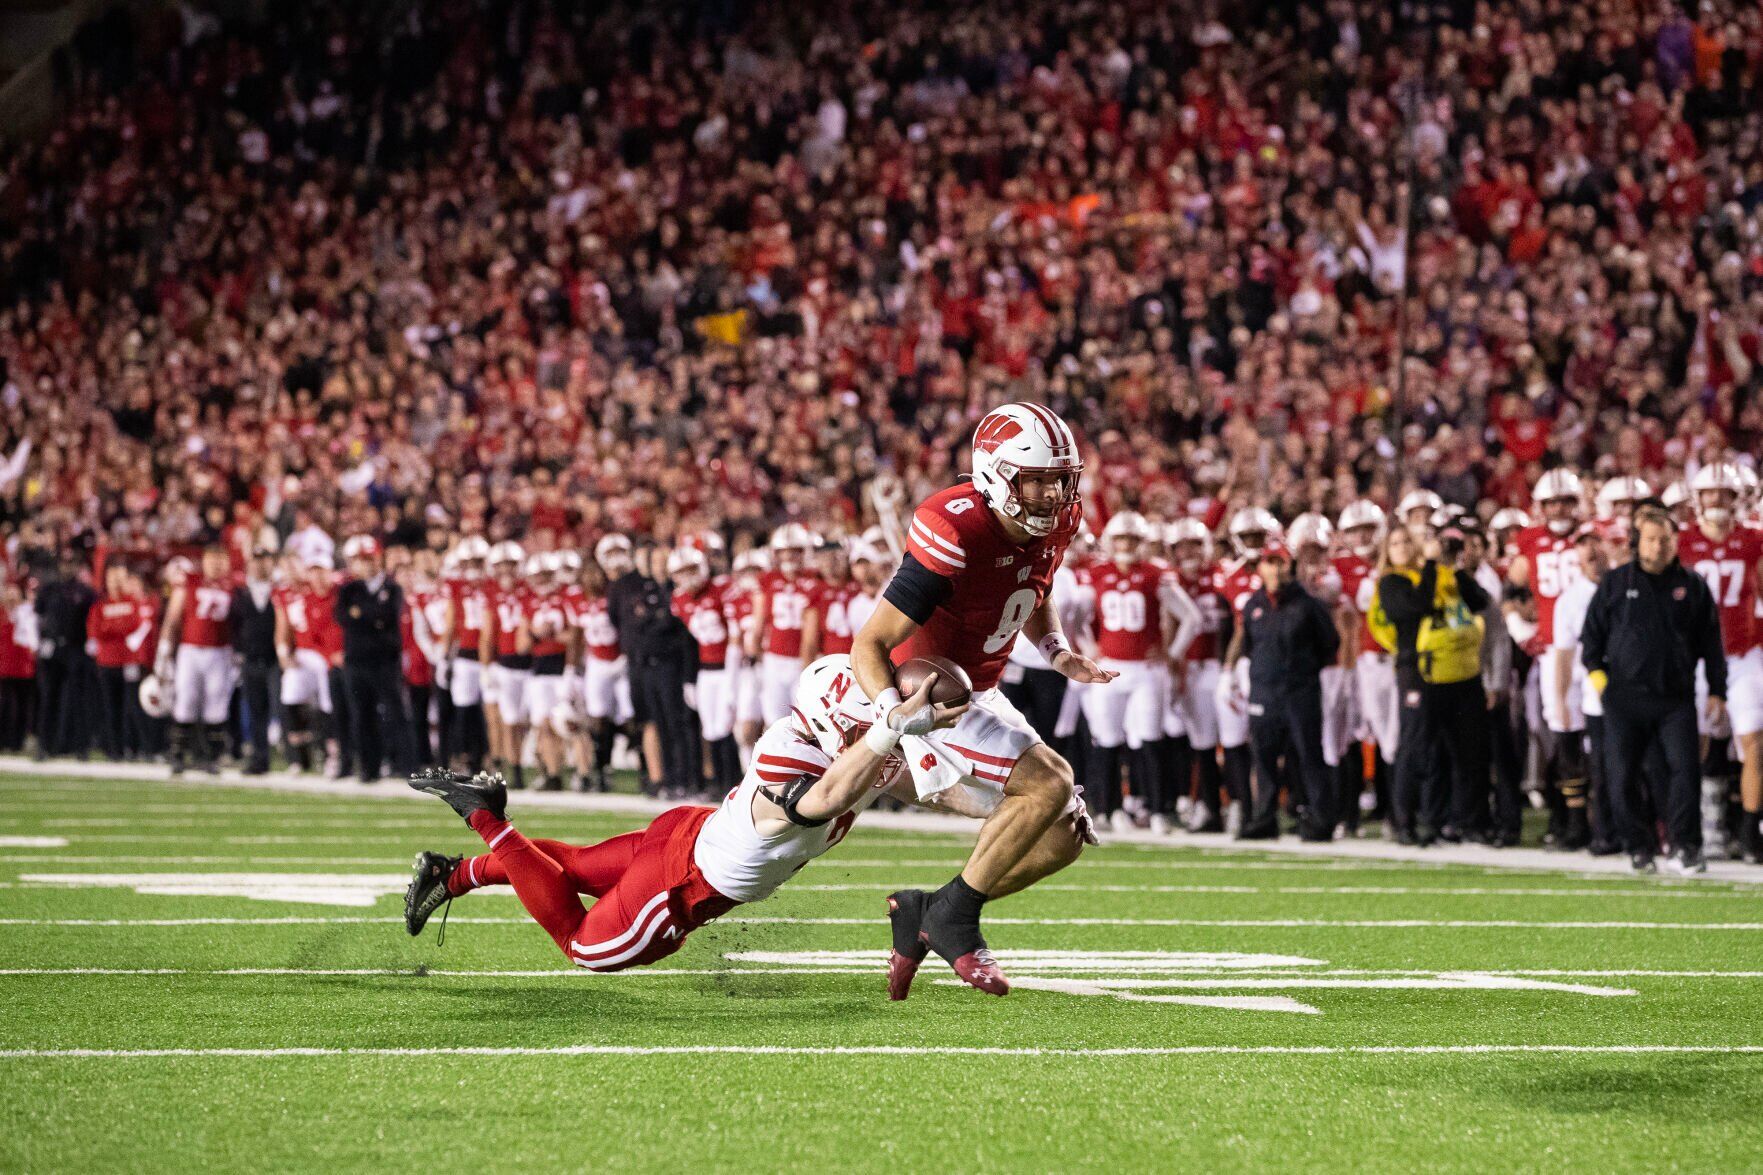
column 812, row 773
column 978, row 568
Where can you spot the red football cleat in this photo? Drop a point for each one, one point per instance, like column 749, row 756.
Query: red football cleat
column 979, row 970
column 900, row 972
column 905, row 909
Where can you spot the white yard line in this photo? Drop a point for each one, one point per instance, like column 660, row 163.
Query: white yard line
column 760, row 1050
column 876, row 968
column 1265, row 923
column 100, row 775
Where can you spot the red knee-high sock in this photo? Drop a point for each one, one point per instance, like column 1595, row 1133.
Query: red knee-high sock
column 539, row 882
column 590, row 869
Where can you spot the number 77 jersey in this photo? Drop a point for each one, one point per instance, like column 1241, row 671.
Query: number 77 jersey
column 994, row 584
column 1730, row 567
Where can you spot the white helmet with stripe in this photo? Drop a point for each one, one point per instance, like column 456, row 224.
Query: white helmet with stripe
column 1559, row 485
column 1018, row 439
column 1128, row 524
column 831, row 703
column 1721, row 477
column 1509, row 518
column 1310, row 530
column 1418, row 500
column 507, row 553
column 1188, row 530
column 1252, row 520
column 685, row 560
column 1366, row 516
column 793, row 536
column 1619, row 494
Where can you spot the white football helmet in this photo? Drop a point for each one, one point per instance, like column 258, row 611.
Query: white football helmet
column 1127, row 524
column 1366, row 516
column 1418, row 500
column 535, row 566
column 831, row 702
column 507, row 554
column 1559, row 485
column 1510, row 518
column 569, row 561
column 472, row 547
column 1249, row 521
column 1718, row 478
column 1619, row 494
column 1310, row 530
column 793, row 536
column 155, row 698
column 1676, row 494
column 1018, row 439
column 684, row 560
column 1188, row 530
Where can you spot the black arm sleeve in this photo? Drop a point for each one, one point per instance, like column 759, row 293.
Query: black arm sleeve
column 1712, row 651
column 916, row 590
column 1328, row 637
column 1594, row 634
column 1475, row 597
column 788, row 795
column 1405, row 602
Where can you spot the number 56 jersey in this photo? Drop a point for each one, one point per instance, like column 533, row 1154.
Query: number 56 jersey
column 968, row 585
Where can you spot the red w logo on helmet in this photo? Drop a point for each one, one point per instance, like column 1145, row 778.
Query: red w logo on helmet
column 994, row 430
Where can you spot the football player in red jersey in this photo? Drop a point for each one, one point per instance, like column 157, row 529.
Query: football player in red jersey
column 979, row 564
column 1252, row 530
column 741, row 593
column 467, row 611
column 698, row 602
column 1358, row 532
column 788, row 620
column 1545, row 564
column 506, row 665
column 545, row 637
column 1728, row 554
column 1132, row 603
column 834, row 564
column 1190, row 549
column 196, row 652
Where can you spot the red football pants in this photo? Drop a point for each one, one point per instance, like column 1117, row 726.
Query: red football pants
column 649, row 894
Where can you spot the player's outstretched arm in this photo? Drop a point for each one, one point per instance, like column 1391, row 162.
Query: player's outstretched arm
column 1042, row 627
column 858, row 768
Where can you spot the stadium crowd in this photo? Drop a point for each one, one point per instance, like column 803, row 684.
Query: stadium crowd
column 467, row 275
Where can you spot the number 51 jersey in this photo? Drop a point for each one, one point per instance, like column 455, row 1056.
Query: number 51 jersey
column 994, row 583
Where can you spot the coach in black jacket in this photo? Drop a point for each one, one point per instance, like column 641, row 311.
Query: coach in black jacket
column 1289, row 638
column 663, row 658
column 1651, row 620
column 369, row 609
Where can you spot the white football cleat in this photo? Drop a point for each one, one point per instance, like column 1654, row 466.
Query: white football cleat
column 1160, row 825
column 1120, row 820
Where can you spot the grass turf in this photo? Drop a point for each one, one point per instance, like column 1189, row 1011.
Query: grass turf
column 1074, row 1109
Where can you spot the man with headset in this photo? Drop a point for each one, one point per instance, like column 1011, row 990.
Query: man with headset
column 1649, row 622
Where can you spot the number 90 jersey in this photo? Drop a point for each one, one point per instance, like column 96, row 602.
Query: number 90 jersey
column 995, row 583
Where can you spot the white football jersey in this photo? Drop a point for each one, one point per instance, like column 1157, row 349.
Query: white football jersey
column 1570, row 614
column 747, row 865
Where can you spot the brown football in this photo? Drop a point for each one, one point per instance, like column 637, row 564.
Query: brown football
column 953, row 685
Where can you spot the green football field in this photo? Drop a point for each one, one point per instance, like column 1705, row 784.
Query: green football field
column 194, row 976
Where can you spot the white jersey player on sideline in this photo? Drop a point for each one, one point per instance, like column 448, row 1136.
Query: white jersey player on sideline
column 1252, row 529
column 606, row 686
column 1196, row 693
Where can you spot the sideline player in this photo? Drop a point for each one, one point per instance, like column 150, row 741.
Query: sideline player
column 812, row 773
column 1728, row 554
column 979, row 564
column 1546, row 564
column 196, row 654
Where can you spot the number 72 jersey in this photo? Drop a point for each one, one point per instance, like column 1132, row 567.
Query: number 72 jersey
column 995, row 584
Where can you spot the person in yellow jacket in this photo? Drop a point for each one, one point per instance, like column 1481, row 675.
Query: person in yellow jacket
column 1427, row 615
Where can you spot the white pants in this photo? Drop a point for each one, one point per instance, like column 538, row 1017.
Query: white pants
column 308, row 682
column 539, row 699
column 1070, row 708
column 467, row 686
column 1338, row 719
column 744, row 685
column 1128, row 709
column 1571, row 720
column 992, row 735
column 1198, row 704
column 606, row 690
column 716, row 703
column 1231, row 695
column 203, row 688
column 777, row 685
column 1164, row 672
column 505, row 689
column 1380, row 713
column 1744, row 698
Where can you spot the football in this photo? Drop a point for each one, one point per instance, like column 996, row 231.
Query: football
column 953, row 686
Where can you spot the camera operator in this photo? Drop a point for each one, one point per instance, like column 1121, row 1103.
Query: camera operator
column 1432, row 601
column 1649, row 622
